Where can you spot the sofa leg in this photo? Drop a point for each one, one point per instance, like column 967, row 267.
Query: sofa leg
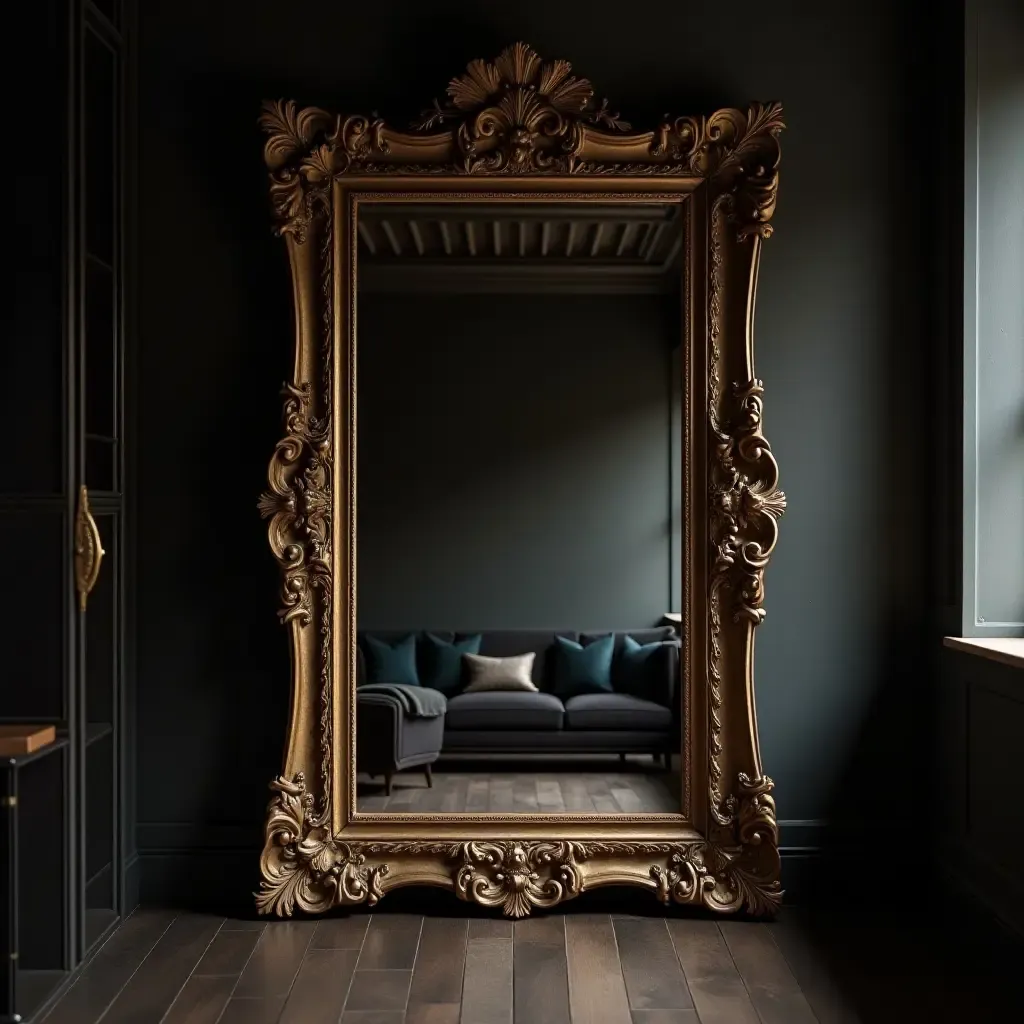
column 429, row 775
column 622, row 757
column 387, row 783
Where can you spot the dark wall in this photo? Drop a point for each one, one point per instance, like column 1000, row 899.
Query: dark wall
column 513, row 468
column 846, row 341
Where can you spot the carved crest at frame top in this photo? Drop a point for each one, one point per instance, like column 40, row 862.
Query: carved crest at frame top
column 519, row 115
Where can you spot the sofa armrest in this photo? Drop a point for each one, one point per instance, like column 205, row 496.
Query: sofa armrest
column 662, row 682
column 379, row 721
column 672, row 681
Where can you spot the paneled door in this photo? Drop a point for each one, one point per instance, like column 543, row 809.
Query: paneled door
column 62, row 513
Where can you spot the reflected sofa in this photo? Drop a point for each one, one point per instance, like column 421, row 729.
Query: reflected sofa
column 522, row 722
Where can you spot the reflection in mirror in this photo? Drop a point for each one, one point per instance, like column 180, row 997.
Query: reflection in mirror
column 518, row 468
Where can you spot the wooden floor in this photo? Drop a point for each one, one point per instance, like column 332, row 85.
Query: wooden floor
column 572, row 968
column 613, row 788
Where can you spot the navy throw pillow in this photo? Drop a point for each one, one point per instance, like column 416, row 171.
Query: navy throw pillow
column 579, row 669
column 442, row 661
column 391, row 663
column 641, row 670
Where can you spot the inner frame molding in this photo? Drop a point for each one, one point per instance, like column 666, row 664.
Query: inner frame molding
column 520, row 129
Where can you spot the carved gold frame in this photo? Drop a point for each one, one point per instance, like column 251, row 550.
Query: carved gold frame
column 519, row 128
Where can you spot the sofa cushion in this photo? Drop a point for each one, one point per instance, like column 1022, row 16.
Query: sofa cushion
column 614, row 711
column 504, row 643
column 441, row 661
column 391, row 662
column 656, row 680
column 642, row 670
column 578, row 669
column 641, row 636
column 500, row 673
column 504, row 709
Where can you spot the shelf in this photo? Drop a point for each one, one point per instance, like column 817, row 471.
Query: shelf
column 20, row 760
column 96, row 731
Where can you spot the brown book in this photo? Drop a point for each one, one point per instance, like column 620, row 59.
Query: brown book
column 25, row 739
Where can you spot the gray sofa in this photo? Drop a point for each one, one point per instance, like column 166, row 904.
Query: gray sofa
column 393, row 740
column 513, row 722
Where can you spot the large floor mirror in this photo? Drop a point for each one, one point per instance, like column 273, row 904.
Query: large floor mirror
column 523, row 505
column 517, row 539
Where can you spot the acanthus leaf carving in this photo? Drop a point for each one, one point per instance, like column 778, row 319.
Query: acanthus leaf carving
column 518, row 114
column 518, row 876
column 305, row 869
column 302, row 866
column 739, row 149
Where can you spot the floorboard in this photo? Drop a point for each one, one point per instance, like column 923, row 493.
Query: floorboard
column 111, row 968
column 540, row 971
column 162, row 975
column 717, row 990
column 654, row 980
column 597, row 990
column 487, row 985
column 202, row 1000
column 321, row 987
column 275, row 961
column 774, row 991
column 440, row 963
column 571, row 967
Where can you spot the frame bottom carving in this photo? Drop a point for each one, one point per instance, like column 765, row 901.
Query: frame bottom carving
column 303, row 867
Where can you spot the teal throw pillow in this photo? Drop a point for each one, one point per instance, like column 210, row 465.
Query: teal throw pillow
column 391, row 663
column 580, row 669
column 641, row 670
column 442, row 661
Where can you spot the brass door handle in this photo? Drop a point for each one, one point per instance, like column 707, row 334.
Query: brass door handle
column 88, row 549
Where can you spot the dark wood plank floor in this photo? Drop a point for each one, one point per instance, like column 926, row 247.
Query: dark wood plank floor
column 573, row 968
column 635, row 787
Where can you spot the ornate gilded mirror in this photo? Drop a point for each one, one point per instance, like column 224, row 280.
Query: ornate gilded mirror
column 523, row 504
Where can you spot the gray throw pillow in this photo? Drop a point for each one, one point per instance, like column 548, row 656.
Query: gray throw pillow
column 499, row 673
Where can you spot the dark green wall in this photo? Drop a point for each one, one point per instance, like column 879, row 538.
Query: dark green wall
column 514, row 465
column 846, row 342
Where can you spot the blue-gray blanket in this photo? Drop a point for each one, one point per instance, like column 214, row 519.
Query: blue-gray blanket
column 416, row 701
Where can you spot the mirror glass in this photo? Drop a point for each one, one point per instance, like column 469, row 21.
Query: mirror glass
column 518, row 506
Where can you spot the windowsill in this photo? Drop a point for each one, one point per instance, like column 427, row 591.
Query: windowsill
column 1008, row 651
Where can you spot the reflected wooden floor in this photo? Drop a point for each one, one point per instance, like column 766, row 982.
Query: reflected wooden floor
column 636, row 786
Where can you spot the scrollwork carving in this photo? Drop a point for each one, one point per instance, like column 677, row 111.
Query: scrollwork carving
column 302, row 867
column 519, row 114
column 305, row 869
column 739, row 150
column 519, row 876
column 298, row 167
column 298, row 505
